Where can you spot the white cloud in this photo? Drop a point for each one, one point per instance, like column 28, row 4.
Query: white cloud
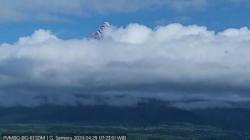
column 172, row 63
column 182, row 5
column 16, row 10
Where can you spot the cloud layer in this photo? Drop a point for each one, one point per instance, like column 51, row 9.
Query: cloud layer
column 54, row 10
column 63, row 10
column 174, row 63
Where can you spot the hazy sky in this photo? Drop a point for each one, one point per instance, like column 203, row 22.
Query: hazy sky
column 173, row 50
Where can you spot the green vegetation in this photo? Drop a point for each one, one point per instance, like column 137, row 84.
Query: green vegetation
column 163, row 132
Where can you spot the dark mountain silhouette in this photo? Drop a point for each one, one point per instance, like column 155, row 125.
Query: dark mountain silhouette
column 152, row 113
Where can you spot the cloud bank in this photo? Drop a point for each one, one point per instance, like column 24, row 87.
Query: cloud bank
column 174, row 63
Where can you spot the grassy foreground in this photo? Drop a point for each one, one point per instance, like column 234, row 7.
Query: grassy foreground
column 162, row 132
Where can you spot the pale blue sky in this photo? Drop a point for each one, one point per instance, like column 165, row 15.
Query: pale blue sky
column 77, row 18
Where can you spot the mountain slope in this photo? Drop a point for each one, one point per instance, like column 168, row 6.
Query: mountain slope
column 100, row 32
